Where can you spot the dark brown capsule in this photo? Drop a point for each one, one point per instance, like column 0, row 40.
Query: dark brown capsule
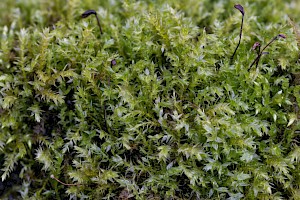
column 256, row 44
column 240, row 8
column 282, row 36
column 88, row 13
column 113, row 62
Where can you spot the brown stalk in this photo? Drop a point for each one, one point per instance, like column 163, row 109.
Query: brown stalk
column 262, row 51
column 241, row 9
column 92, row 12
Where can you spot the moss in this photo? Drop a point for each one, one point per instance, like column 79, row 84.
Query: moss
column 153, row 107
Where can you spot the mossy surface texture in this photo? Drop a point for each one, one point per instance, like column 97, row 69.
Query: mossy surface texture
column 153, row 108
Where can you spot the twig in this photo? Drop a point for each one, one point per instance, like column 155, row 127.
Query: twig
column 66, row 184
